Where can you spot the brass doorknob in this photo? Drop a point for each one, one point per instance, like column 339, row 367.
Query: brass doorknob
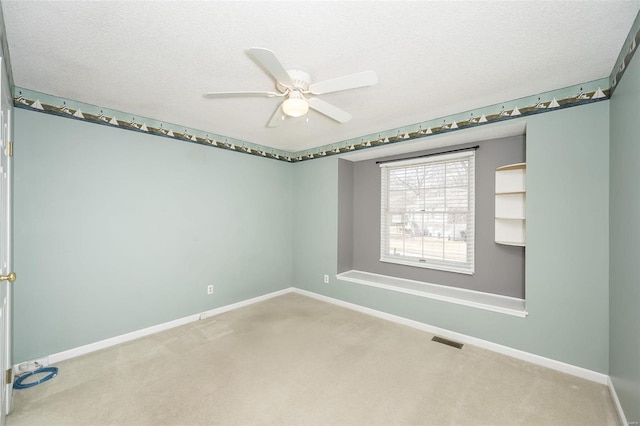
column 11, row 277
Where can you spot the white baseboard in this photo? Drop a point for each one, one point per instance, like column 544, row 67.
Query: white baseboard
column 616, row 402
column 112, row 341
column 227, row 308
column 505, row 350
column 485, row 344
column 91, row 347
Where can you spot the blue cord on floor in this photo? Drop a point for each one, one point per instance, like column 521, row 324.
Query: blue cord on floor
column 53, row 371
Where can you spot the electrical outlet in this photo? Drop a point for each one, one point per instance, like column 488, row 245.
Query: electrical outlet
column 210, row 289
column 326, row 279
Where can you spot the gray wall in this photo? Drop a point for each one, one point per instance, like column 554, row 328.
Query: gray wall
column 498, row 268
column 116, row 231
column 345, row 216
column 624, row 364
column 567, row 269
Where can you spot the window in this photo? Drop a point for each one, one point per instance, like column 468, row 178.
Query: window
column 427, row 215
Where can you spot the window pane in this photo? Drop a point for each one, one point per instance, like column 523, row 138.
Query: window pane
column 457, row 199
column 434, row 199
column 396, row 235
column 435, row 232
column 433, row 246
column 455, row 250
column 418, row 205
column 412, row 179
column 413, row 246
column 413, row 223
column 434, row 175
column 396, row 246
column 457, row 173
column 456, row 226
column 456, row 244
column 396, row 179
column 397, row 201
column 434, row 224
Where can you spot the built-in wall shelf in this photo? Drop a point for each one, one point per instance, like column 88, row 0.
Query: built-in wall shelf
column 510, row 195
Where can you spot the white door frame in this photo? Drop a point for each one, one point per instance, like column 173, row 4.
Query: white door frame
column 6, row 260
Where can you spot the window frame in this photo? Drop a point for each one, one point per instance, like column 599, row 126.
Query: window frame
column 467, row 267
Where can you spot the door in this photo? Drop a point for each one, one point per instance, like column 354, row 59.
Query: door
column 6, row 275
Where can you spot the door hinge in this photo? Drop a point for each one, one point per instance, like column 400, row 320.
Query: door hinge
column 10, row 149
column 9, row 376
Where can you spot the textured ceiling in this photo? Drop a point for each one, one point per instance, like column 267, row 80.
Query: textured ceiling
column 156, row 58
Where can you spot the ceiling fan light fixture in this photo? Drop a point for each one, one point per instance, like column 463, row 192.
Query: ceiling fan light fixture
column 295, row 105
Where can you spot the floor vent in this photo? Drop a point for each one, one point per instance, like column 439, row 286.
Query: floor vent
column 447, row 342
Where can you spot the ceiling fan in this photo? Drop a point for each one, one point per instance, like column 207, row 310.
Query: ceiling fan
column 296, row 88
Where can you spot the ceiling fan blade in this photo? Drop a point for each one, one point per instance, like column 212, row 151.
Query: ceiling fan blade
column 329, row 110
column 352, row 81
column 277, row 117
column 240, row 94
column 267, row 59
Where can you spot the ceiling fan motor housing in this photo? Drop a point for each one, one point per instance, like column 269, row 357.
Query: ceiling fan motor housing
column 301, row 81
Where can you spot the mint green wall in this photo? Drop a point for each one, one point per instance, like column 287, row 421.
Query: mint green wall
column 315, row 227
column 117, row 231
column 624, row 363
column 567, row 249
column 567, row 278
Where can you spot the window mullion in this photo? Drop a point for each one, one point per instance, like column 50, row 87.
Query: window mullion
column 423, row 209
column 404, row 215
column 444, row 210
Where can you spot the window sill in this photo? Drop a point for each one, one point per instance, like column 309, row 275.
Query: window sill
column 426, row 265
column 476, row 299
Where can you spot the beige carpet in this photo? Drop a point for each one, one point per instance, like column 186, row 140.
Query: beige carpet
column 293, row 360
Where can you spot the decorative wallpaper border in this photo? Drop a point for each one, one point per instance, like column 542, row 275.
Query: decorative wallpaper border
column 49, row 104
column 545, row 102
column 626, row 53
